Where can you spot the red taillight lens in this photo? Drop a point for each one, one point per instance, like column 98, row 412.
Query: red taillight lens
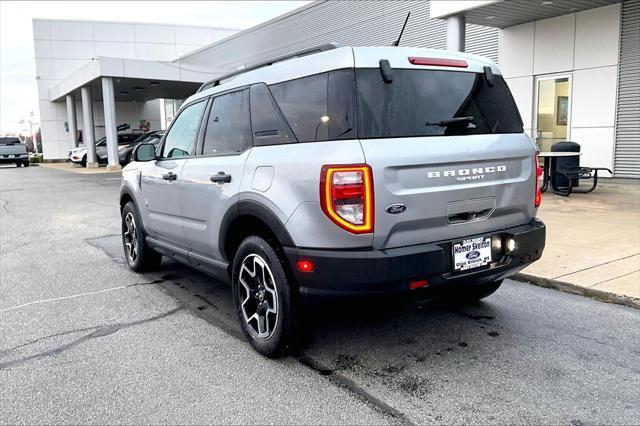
column 346, row 196
column 438, row 62
column 538, row 169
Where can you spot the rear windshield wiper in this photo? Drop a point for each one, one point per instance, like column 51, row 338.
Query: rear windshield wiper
column 453, row 122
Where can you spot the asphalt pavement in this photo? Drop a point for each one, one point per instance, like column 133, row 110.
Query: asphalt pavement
column 85, row 340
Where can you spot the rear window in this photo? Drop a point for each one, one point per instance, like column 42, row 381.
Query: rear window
column 9, row 141
column 433, row 103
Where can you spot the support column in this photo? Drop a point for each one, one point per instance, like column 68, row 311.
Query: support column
column 72, row 121
column 110, row 128
column 88, row 134
column 456, row 28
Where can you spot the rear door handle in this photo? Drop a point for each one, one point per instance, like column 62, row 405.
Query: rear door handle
column 221, row 177
column 170, row 176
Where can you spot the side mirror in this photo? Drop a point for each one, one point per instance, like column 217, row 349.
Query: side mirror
column 144, row 152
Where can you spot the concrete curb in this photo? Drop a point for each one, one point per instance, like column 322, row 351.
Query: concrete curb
column 602, row 296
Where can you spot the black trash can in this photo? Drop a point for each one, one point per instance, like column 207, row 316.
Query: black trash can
column 564, row 163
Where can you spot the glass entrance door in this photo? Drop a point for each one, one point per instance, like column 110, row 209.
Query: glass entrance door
column 553, row 111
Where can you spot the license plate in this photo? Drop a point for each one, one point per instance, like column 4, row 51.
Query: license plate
column 472, row 253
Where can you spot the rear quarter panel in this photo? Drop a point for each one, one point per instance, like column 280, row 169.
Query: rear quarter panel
column 286, row 179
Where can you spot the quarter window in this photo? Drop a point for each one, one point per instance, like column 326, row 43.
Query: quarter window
column 184, row 132
column 269, row 128
column 229, row 126
column 318, row 107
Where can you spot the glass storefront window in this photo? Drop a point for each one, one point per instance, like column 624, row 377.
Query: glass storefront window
column 553, row 111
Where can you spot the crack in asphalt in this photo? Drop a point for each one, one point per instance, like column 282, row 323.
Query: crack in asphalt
column 352, row 387
column 74, row 296
column 97, row 203
column 5, row 207
column 39, row 339
column 19, row 246
column 101, row 331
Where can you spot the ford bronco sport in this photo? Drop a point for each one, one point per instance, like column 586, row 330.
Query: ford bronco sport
column 340, row 171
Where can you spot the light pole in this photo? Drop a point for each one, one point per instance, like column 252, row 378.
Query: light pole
column 33, row 139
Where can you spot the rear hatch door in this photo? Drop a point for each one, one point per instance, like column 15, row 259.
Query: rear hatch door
column 449, row 187
column 448, row 153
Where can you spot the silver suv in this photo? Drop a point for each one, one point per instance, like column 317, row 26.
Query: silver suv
column 340, row 171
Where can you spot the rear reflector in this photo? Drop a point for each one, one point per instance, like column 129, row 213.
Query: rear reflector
column 418, row 284
column 346, row 196
column 438, row 62
column 305, row 266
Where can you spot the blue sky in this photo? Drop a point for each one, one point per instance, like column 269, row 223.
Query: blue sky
column 18, row 94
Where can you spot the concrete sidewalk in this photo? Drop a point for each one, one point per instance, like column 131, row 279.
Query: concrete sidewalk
column 76, row 168
column 593, row 242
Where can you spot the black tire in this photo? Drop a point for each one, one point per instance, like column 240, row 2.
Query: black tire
column 25, row 164
column 278, row 329
column 471, row 293
column 83, row 163
column 140, row 257
column 18, row 164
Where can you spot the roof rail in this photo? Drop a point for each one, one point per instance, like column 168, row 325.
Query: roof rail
column 311, row 51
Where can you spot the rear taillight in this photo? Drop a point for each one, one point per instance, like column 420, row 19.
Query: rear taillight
column 538, row 169
column 346, row 196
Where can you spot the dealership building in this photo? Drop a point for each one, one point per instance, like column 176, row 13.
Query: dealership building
column 573, row 66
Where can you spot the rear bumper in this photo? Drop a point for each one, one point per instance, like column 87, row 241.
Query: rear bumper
column 352, row 272
column 12, row 159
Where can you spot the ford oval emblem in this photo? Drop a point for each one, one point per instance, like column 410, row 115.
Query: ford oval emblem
column 396, row 208
column 473, row 254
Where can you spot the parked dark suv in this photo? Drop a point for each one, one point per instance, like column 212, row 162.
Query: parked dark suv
column 125, row 149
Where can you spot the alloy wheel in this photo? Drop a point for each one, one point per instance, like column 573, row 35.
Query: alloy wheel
column 258, row 296
column 131, row 237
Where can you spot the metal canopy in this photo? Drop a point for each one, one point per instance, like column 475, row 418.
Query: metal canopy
column 142, row 90
column 134, row 79
column 514, row 12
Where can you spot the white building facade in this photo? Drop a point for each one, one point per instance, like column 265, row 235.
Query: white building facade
column 573, row 66
column 62, row 47
column 568, row 61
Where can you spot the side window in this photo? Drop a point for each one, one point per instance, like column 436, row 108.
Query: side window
column 229, row 126
column 319, row 107
column 304, row 104
column 184, row 132
column 266, row 120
